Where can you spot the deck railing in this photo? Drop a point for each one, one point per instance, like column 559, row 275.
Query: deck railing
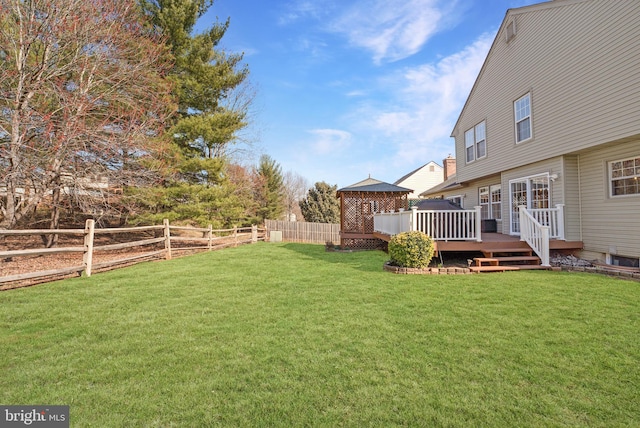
column 552, row 217
column 535, row 234
column 441, row 225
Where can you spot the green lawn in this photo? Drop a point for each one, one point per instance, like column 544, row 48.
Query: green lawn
column 290, row 335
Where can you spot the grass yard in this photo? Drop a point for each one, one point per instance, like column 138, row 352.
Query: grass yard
column 290, row 335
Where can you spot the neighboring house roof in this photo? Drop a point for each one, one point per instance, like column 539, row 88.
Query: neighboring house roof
column 422, row 178
column 450, row 184
column 404, row 178
column 373, row 185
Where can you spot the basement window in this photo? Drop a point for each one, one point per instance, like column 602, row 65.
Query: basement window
column 625, row 261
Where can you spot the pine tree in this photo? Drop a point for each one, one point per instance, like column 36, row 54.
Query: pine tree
column 321, row 204
column 269, row 189
column 211, row 112
column 205, row 79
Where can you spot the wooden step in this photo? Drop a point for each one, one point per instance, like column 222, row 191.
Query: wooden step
column 535, row 259
column 489, row 252
column 490, row 261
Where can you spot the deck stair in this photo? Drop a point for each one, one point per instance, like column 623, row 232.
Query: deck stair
column 506, row 259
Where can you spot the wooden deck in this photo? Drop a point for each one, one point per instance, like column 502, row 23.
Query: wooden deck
column 492, row 241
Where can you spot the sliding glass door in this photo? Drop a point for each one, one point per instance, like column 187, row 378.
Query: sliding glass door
column 532, row 192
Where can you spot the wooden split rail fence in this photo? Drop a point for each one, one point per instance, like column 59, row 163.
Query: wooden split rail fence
column 208, row 239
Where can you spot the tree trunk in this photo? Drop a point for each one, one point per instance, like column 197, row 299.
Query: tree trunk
column 51, row 240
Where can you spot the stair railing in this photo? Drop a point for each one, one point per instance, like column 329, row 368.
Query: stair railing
column 534, row 234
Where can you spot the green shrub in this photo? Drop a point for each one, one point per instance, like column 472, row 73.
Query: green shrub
column 411, row 249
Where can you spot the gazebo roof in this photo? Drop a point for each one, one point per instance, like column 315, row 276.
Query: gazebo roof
column 374, row 186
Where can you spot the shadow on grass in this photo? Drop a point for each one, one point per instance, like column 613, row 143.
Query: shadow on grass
column 366, row 261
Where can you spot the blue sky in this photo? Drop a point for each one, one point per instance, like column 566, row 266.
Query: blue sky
column 352, row 88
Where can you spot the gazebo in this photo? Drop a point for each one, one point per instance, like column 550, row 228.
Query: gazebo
column 359, row 203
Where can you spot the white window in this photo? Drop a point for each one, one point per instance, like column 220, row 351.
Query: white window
column 624, row 176
column 490, row 202
column 475, row 141
column 522, row 110
column 469, row 142
column 496, row 202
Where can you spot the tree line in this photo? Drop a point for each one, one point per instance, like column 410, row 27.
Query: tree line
column 120, row 110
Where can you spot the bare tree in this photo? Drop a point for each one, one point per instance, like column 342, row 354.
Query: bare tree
column 295, row 188
column 83, row 100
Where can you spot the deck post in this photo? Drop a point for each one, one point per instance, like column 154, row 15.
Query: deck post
column 560, row 221
column 478, row 209
column 521, row 209
column 414, row 218
column 545, row 246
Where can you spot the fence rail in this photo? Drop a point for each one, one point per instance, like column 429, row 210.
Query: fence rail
column 298, row 231
column 190, row 239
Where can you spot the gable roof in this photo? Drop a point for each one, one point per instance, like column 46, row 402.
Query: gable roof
column 400, row 180
column 373, row 185
column 507, row 18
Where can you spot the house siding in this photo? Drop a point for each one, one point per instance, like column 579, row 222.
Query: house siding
column 579, row 60
column 609, row 223
column 422, row 179
column 570, row 181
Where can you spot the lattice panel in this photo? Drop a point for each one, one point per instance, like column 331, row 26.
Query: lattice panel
column 364, row 244
column 359, row 208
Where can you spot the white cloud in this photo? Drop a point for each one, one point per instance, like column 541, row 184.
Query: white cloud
column 392, row 29
column 329, row 141
column 423, row 105
column 303, row 9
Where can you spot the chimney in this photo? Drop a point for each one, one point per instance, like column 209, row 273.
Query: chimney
column 449, row 167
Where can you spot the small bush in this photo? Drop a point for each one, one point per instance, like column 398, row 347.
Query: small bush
column 411, row 249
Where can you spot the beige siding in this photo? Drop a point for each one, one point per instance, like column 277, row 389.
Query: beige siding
column 580, row 60
column 608, row 223
column 570, row 181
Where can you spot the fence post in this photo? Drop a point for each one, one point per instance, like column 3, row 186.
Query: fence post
column 210, row 236
column 235, row 236
column 254, row 234
column 167, row 239
column 87, row 257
